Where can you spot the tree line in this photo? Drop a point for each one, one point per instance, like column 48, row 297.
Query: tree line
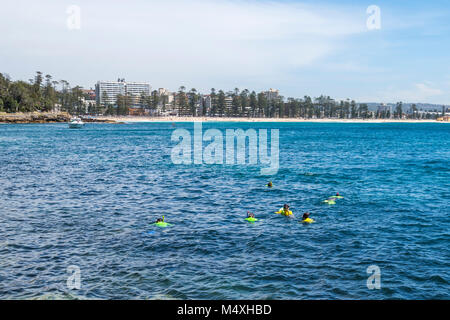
column 244, row 103
column 42, row 93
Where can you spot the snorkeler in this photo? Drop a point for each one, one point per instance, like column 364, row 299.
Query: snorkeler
column 161, row 223
column 306, row 218
column 250, row 217
column 285, row 211
column 333, row 198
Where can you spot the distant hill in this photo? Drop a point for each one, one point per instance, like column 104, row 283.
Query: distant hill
column 373, row 106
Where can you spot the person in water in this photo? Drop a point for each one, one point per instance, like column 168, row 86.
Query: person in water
column 250, row 215
column 306, row 218
column 159, row 220
column 337, row 196
column 285, row 211
column 330, row 200
column 270, row 185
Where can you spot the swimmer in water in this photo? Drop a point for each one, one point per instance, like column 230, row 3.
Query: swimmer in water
column 159, row 220
column 250, row 215
column 270, row 185
column 306, row 218
column 337, row 196
column 285, row 211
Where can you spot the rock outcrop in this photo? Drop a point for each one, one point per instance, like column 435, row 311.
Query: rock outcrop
column 34, row 117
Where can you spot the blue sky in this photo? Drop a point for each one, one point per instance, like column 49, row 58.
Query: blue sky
column 299, row 47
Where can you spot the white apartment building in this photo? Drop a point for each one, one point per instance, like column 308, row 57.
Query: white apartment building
column 107, row 91
column 137, row 88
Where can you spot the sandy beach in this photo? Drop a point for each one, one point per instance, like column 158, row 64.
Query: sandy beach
column 229, row 119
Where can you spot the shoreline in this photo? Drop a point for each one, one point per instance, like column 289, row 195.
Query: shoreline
column 61, row 117
column 136, row 119
column 44, row 117
column 34, row 117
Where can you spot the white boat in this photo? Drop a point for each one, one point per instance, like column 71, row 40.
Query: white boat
column 76, row 123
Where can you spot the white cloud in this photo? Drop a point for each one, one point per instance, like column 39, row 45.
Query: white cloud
column 425, row 92
column 300, row 49
column 201, row 43
column 233, row 38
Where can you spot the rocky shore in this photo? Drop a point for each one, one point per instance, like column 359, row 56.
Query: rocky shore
column 34, row 117
column 96, row 120
column 44, row 117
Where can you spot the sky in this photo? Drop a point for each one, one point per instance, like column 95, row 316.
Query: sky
column 335, row 48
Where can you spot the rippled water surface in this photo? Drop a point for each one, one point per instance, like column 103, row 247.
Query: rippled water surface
column 89, row 197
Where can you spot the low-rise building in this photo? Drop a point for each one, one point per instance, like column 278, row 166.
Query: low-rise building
column 272, row 94
column 166, row 105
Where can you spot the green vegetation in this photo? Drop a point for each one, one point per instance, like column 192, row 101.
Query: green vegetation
column 40, row 94
column 44, row 94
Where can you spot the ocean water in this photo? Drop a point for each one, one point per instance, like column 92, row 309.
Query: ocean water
column 88, row 198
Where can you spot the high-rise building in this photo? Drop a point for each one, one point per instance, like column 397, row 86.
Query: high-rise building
column 106, row 92
column 137, row 88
